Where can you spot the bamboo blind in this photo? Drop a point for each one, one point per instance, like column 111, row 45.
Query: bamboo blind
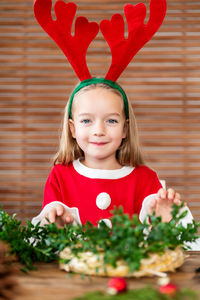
column 162, row 82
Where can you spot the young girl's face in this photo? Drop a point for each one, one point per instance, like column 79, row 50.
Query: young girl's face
column 98, row 126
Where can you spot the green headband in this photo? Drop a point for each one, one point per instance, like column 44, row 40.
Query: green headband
column 112, row 84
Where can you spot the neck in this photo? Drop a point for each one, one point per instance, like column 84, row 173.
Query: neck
column 109, row 164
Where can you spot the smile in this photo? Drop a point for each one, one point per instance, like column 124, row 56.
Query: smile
column 99, row 143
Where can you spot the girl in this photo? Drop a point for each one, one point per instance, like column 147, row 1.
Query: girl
column 99, row 164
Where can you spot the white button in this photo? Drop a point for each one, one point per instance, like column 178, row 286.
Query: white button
column 103, row 200
column 106, row 221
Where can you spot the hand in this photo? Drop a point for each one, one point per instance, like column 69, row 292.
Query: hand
column 163, row 202
column 57, row 214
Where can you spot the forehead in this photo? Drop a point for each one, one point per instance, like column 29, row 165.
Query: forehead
column 98, row 99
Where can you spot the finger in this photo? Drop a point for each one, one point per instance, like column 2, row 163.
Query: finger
column 69, row 219
column 52, row 216
column 59, row 225
column 59, row 210
column 43, row 222
column 170, row 194
column 152, row 206
column 152, row 203
column 178, row 196
column 46, row 218
column 177, row 201
column 162, row 193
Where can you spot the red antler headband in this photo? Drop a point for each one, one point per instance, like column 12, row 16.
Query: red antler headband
column 122, row 49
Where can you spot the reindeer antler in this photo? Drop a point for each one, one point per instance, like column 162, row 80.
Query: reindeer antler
column 123, row 50
column 74, row 47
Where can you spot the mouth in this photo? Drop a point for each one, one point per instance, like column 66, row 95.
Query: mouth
column 99, row 143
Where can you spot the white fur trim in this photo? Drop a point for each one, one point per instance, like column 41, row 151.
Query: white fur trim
column 72, row 210
column 163, row 184
column 99, row 173
column 145, row 207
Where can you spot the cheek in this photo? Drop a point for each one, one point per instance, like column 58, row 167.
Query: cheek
column 118, row 133
column 123, row 131
column 81, row 133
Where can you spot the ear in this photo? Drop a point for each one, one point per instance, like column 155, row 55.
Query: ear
column 72, row 128
column 125, row 129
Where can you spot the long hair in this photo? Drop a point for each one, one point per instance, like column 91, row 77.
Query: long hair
column 129, row 152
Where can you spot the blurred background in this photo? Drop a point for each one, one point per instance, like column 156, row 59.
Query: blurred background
column 162, row 82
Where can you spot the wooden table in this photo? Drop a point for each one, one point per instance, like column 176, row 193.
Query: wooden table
column 50, row 283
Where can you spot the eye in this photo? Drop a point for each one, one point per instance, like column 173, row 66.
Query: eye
column 85, row 121
column 112, row 121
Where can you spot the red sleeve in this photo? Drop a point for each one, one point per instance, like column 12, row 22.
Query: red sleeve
column 147, row 184
column 52, row 189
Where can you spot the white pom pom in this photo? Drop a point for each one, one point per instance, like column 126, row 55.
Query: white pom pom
column 106, row 221
column 103, row 200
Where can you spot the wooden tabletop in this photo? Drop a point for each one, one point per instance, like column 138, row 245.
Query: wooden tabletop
column 50, row 283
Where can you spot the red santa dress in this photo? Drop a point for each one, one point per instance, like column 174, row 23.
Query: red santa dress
column 91, row 194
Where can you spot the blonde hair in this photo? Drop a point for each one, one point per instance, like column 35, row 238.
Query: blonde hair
column 129, row 152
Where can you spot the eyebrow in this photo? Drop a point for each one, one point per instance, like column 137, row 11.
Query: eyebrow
column 109, row 114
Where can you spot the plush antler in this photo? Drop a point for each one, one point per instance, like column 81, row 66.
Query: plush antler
column 122, row 49
column 74, row 47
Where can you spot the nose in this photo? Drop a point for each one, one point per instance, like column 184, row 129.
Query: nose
column 99, row 128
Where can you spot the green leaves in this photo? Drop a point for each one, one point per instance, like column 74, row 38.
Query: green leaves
column 31, row 243
column 128, row 240
column 172, row 234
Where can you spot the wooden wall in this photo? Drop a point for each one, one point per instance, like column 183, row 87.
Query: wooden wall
column 35, row 80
